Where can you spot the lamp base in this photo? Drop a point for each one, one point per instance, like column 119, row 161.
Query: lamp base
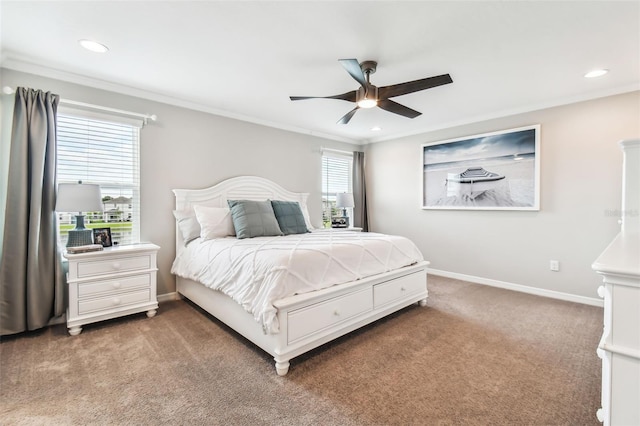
column 80, row 237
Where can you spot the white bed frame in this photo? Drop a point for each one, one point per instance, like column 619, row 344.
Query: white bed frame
column 307, row 320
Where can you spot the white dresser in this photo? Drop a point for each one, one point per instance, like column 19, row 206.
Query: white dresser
column 116, row 281
column 619, row 266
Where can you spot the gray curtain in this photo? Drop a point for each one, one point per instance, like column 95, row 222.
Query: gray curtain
column 360, row 215
column 31, row 275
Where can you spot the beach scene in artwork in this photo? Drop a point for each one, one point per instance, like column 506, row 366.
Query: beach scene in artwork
column 492, row 171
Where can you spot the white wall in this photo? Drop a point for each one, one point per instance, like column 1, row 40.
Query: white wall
column 581, row 173
column 6, row 119
column 191, row 149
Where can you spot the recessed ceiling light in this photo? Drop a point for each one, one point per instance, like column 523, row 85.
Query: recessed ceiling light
column 376, row 128
column 93, row 46
column 596, row 73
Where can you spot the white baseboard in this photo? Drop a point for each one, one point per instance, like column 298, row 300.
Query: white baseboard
column 167, row 297
column 518, row 287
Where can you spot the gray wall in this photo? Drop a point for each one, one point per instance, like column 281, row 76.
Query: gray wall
column 191, row 149
column 581, row 174
column 580, row 183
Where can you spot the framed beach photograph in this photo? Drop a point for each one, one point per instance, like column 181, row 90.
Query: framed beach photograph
column 491, row 171
column 102, row 236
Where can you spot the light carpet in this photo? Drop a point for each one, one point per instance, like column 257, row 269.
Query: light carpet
column 475, row 355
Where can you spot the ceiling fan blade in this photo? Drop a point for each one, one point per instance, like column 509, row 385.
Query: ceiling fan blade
column 396, row 108
column 413, row 86
column 349, row 96
column 353, row 68
column 345, row 118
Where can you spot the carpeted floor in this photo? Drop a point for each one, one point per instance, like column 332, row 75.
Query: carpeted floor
column 475, row 355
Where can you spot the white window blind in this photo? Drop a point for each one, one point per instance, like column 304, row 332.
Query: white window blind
column 101, row 150
column 336, row 177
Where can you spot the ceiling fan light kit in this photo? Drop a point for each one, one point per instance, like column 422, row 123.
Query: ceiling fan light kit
column 369, row 96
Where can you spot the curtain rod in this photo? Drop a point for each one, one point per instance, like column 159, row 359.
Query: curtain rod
column 337, row 151
column 9, row 91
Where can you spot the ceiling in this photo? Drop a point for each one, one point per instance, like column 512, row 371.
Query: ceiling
column 244, row 59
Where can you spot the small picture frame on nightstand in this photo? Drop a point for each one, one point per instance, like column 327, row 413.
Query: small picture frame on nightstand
column 339, row 222
column 102, row 236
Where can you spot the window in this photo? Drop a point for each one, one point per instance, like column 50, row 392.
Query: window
column 103, row 150
column 336, row 177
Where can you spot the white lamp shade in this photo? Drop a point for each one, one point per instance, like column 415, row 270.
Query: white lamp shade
column 344, row 200
column 78, row 197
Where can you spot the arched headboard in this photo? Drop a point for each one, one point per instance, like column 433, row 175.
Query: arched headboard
column 237, row 188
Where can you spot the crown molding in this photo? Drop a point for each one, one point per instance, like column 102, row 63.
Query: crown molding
column 515, row 111
column 21, row 65
column 14, row 64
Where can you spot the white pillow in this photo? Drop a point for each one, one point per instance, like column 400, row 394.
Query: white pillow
column 305, row 214
column 187, row 224
column 215, row 222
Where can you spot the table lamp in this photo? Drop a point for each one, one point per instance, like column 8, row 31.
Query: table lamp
column 344, row 201
column 79, row 197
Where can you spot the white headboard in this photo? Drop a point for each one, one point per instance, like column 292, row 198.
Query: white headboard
column 237, row 188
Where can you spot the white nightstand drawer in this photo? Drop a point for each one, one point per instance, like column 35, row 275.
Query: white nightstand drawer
column 110, row 266
column 113, row 286
column 390, row 291
column 114, row 301
column 307, row 321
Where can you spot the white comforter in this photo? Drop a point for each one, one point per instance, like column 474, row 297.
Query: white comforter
column 256, row 272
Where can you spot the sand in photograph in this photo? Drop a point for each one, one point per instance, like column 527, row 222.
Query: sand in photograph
column 517, row 189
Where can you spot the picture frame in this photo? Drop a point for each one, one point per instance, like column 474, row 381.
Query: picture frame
column 102, row 236
column 490, row 171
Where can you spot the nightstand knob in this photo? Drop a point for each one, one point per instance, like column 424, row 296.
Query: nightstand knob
column 403, row 289
column 116, row 265
column 116, row 284
column 116, row 300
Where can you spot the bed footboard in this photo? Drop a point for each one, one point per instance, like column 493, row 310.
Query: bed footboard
column 312, row 319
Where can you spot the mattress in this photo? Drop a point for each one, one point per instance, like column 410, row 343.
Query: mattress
column 255, row 272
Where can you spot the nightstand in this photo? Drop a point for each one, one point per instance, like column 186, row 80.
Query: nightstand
column 110, row 283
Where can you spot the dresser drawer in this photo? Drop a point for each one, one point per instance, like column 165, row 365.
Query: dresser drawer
column 312, row 319
column 110, row 266
column 113, row 286
column 113, row 302
column 398, row 289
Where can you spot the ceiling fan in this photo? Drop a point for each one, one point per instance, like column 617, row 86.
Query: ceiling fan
column 369, row 96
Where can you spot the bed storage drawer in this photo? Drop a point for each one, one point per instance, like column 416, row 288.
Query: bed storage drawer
column 312, row 319
column 391, row 291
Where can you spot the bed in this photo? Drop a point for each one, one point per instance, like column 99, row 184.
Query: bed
column 349, row 295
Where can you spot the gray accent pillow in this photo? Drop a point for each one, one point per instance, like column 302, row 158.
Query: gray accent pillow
column 289, row 217
column 253, row 218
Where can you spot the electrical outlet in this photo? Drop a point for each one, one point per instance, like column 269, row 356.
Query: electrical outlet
column 554, row 265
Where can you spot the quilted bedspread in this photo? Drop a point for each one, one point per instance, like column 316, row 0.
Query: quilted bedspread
column 256, row 272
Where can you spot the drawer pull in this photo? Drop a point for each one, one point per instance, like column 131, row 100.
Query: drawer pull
column 116, row 301
column 116, row 265
column 116, row 284
column 336, row 313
